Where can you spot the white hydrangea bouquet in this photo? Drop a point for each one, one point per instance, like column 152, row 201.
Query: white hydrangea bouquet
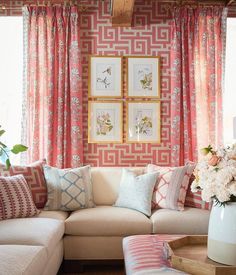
column 215, row 175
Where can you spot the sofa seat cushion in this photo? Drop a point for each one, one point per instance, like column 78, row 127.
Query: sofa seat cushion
column 190, row 221
column 32, row 231
column 22, row 259
column 58, row 215
column 107, row 221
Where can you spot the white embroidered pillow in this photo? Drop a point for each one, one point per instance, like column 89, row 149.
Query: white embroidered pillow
column 68, row 189
column 136, row 191
column 171, row 186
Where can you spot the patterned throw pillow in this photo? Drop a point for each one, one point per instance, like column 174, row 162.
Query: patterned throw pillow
column 33, row 174
column 15, row 198
column 136, row 191
column 171, row 186
column 68, row 189
column 195, row 199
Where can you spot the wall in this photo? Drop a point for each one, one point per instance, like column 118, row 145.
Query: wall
column 149, row 36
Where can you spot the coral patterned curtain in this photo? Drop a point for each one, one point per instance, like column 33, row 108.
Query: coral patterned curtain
column 197, row 58
column 53, row 92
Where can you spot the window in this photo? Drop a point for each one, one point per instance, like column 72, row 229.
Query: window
column 229, row 102
column 11, row 78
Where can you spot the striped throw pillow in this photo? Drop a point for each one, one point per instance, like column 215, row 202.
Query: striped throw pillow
column 195, row 200
column 15, row 198
column 171, row 186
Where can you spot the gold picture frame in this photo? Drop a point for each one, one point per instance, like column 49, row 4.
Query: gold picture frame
column 105, row 76
column 105, row 121
column 143, row 76
column 143, row 122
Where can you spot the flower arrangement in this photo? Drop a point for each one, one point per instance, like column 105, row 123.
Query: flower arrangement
column 215, row 175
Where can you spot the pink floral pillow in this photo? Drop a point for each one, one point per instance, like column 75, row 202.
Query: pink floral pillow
column 16, row 200
column 171, row 186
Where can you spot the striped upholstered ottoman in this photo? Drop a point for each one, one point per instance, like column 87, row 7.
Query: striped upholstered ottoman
column 144, row 255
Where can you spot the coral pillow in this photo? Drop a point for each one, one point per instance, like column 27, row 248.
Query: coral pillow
column 195, row 199
column 15, row 198
column 34, row 176
column 171, row 186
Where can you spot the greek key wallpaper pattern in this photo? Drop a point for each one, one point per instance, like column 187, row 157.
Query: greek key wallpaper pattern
column 148, row 36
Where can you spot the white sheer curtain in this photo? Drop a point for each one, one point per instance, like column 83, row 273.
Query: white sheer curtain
column 11, row 79
column 229, row 109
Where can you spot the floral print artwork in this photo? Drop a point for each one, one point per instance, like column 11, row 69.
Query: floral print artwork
column 143, row 77
column 105, row 77
column 104, row 124
column 143, row 123
column 146, row 81
column 104, row 80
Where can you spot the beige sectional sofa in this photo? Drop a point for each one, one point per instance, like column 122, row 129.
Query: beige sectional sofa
column 37, row 245
column 32, row 245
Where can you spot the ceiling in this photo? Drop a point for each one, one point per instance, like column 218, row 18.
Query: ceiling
column 122, row 10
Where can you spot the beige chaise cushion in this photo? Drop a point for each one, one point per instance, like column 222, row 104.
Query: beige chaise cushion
column 191, row 221
column 58, row 215
column 32, row 231
column 107, row 221
column 22, row 259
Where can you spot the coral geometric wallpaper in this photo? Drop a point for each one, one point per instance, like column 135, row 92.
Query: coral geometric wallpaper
column 148, row 36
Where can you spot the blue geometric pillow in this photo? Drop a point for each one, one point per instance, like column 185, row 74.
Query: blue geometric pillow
column 68, row 189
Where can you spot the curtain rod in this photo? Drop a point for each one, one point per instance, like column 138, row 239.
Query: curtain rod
column 194, row 3
column 47, row 3
column 79, row 4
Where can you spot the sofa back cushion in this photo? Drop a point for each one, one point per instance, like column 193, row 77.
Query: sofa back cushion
column 106, row 182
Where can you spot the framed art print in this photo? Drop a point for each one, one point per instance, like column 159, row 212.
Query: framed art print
column 143, row 122
column 143, row 77
column 105, row 77
column 105, row 124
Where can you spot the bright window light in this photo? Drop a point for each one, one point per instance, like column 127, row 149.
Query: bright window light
column 11, row 78
column 229, row 102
